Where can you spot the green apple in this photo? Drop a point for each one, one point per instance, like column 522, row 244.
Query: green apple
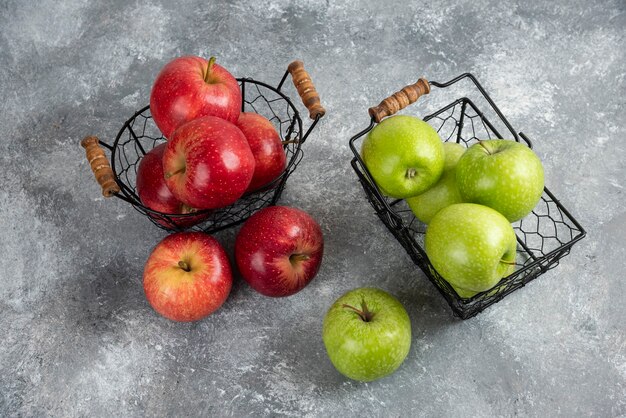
column 502, row 174
column 367, row 334
column 452, row 152
column 444, row 192
column 465, row 294
column 404, row 155
column 471, row 246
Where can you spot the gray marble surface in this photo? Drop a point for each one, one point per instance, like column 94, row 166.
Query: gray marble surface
column 78, row 337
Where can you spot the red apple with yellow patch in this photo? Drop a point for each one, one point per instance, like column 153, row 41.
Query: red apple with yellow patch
column 187, row 276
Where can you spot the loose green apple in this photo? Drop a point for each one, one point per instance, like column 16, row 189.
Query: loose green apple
column 404, row 155
column 367, row 334
column 471, row 246
column 445, row 192
column 504, row 175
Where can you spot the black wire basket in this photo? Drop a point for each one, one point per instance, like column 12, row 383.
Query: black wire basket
column 139, row 135
column 544, row 236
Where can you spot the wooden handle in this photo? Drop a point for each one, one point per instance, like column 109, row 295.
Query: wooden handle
column 306, row 89
column 100, row 166
column 400, row 99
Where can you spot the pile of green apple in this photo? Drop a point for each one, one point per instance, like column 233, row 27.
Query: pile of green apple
column 468, row 197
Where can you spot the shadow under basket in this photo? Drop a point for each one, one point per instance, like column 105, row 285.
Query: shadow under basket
column 544, row 236
column 139, row 135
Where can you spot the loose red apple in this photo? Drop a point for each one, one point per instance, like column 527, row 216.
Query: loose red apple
column 187, row 276
column 190, row 87
column 266, row 146
column 154, row 193
column 208, row 163
column 279, row 250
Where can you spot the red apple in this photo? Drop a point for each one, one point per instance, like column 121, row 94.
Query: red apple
column 190, row 87
column 279, row 250
column 266, row 146
column 154, row 193
column 187, row 276
column 208, row 163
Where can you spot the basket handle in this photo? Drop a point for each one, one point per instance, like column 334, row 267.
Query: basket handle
column 399, row 100
column 100, row 166
column 306, row 89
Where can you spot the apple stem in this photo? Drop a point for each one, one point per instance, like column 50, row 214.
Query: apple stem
column 183, row 265
column 510, row 263
column 365, row 314
column 180, row 170
column 208, row 70
column 291, row 141
column 484, row 147
column 410, row 173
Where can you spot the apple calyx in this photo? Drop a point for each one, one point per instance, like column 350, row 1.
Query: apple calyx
column 207, row 74
column 296, row 258
column 184, row 265
column 410, row 173
column 365, row 314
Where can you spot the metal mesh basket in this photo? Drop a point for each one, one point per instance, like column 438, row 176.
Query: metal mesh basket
column 139, row 135
column 544, row 236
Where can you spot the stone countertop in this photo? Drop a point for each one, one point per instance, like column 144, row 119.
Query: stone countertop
column 79, row 338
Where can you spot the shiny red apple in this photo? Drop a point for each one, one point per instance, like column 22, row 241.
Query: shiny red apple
column 154, row 193
column 266, row 146
column 208, row 163
column 279, row 250
column 187, row 276
column 190, row 87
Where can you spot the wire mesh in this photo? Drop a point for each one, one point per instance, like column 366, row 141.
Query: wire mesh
column 140, row 134
column 544, row 236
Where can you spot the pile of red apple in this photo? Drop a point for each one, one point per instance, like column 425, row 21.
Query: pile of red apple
column 214, row 153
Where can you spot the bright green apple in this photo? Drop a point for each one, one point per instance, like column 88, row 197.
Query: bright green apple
column 471, row 246
column 444, row 192
column 367, row 334
column 502, row 174
column 404, row 155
